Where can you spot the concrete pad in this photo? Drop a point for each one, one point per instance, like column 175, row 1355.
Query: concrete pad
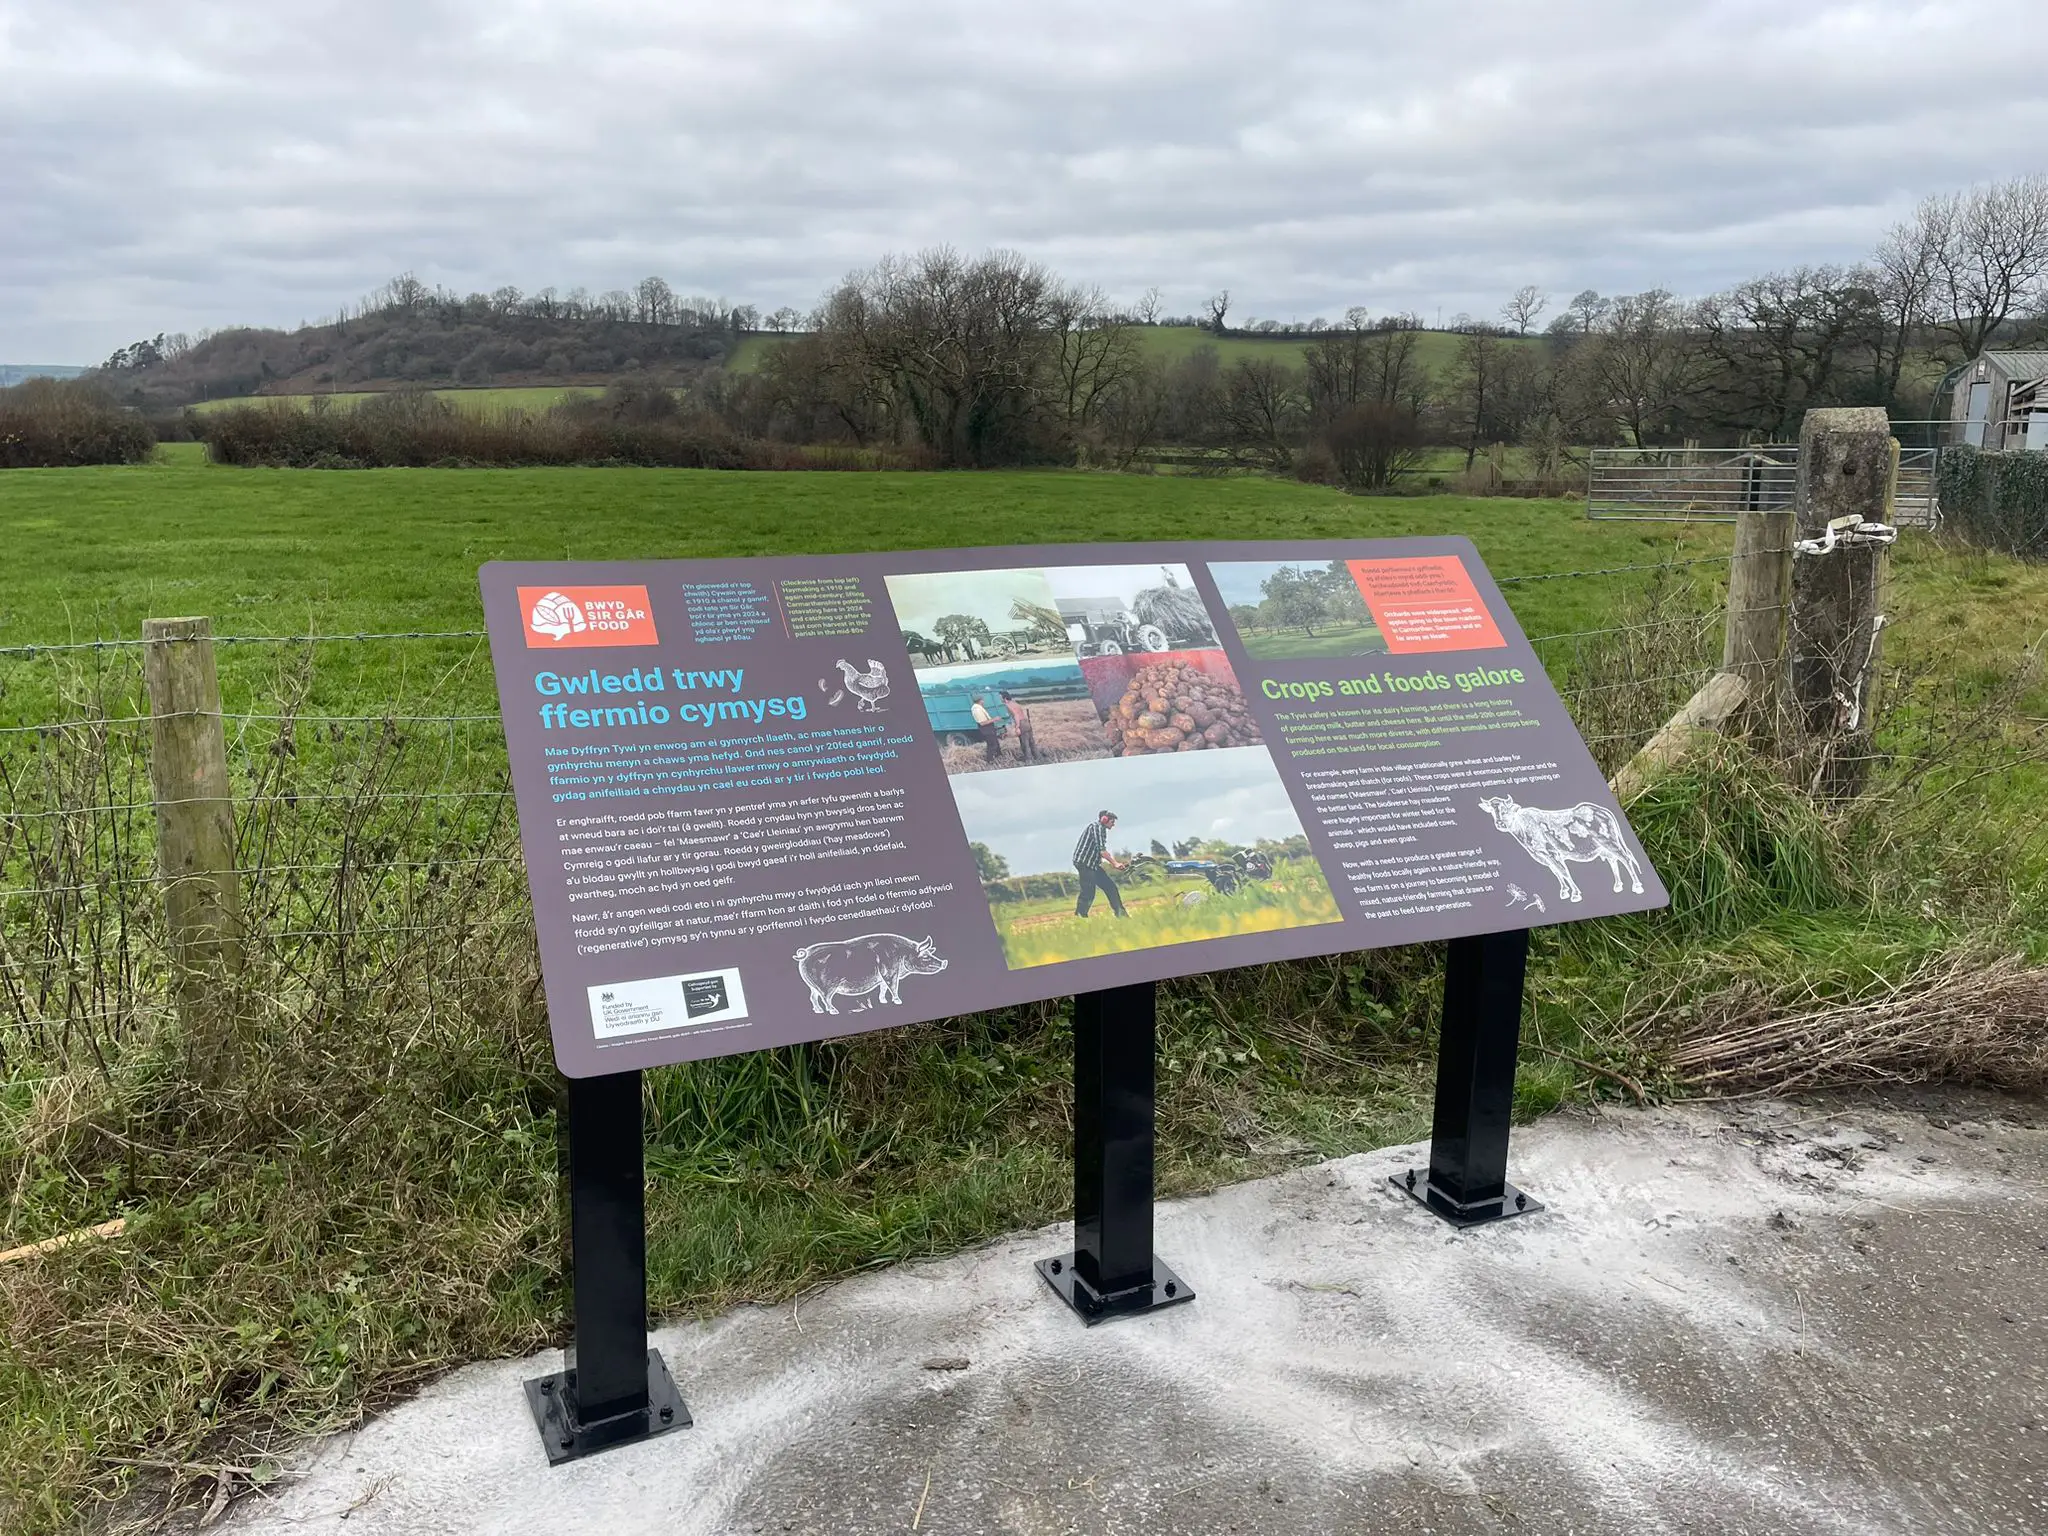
column 1782, row 1318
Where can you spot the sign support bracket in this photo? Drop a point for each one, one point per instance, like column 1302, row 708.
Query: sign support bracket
column 1112, row 1271
column 1466, row 1181
column 613, row 1389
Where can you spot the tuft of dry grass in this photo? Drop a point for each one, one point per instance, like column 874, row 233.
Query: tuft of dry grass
column 1964, row 1019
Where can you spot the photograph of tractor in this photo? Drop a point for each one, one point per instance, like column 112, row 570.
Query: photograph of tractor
column 1113, row 610
column 1226, row 876
column 1102, row 626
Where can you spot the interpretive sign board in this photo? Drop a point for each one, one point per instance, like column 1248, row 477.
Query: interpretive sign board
column 773, row 800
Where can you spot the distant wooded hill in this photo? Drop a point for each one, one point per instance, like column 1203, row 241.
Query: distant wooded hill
column 409, row 335
column 13, row 373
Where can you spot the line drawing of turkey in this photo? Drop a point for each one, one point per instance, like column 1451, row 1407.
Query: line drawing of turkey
column 868, row 688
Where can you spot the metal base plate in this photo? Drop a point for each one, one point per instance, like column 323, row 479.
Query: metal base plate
column 1091, row 1306
column 1513, row 1202
column 566, row 1440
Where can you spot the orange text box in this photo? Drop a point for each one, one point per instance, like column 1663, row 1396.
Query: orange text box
column 564, row 618
column 1426, row 603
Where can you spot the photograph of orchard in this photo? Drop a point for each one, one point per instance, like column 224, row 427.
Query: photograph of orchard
column 1205, row 845
column 1283, row 611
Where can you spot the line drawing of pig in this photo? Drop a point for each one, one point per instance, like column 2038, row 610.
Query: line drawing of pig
column 873, row 963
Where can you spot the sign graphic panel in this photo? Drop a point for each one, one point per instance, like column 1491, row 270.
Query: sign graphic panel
column 774, row 800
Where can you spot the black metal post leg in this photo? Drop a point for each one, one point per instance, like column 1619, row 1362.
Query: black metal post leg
column 1466, row 1182
column 614, row 1388
column 1112, row 1271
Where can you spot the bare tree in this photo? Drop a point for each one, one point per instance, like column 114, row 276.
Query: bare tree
column 1644, row 364
column 961, row 349
column 1579, row 318
column 1093, row 354
column 1263, row 412
column 1785, row 342
column 1477, row 384
column 1365, row 359
column 1147, row 312
column 1907, row 261
column 654, row 302
column 1990, row 253
column 1522, row 310
column 1218, row 307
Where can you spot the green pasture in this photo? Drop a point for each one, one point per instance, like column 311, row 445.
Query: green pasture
column 95, row 551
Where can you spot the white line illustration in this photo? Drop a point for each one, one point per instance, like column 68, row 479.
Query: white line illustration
column 1581, row 834
column 874, row 963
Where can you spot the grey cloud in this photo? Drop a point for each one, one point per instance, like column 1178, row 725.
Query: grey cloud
column 202, row 162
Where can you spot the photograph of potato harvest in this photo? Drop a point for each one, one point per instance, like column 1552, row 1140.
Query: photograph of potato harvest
column 1283, row 610
column 1183, row 701
column 1196, row 846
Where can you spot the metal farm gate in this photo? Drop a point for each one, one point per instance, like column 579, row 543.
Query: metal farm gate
column 1719, row 484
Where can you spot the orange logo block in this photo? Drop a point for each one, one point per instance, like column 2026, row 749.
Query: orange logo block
column 560, row 618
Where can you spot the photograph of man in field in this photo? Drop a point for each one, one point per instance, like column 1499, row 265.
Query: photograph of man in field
column 1284, row 610
column 995, row 670
column 1178, row 847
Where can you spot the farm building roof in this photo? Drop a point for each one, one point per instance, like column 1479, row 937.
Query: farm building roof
column 2021, row 365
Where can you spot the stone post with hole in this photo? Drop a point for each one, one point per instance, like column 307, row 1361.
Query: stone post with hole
column 1843, row 506
column 195, row 819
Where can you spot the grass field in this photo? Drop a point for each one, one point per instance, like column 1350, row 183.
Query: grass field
column 95, row 551
column 1341, row 640
column 1046, row 931
column 377, row 1203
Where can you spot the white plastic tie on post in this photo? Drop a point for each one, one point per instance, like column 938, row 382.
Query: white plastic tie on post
column 1845, row 531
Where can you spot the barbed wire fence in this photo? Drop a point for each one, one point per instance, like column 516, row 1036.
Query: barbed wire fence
column 376, row 870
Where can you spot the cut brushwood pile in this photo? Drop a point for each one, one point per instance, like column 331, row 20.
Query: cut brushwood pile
column 1968, row 1020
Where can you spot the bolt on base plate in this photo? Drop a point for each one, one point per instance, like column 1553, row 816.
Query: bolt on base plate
column 1478, row 1213
column 1166, row 1290
column 566, row 1440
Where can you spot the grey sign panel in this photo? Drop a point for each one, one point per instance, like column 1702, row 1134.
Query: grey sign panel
column 765, row 801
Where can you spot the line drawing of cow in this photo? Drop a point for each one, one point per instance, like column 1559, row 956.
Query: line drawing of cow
column 873, row 963
column 1581, row 834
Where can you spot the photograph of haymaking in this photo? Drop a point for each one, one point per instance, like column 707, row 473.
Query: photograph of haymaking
column 1284, row 610
column 995, row 670
column 951, row 617
column 1098, row 858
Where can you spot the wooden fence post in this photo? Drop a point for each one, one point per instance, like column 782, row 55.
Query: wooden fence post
column 1847, row 489
column 1759, row 596
column 195, row 819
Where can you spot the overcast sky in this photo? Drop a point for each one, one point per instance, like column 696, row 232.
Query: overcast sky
column 177, row 164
